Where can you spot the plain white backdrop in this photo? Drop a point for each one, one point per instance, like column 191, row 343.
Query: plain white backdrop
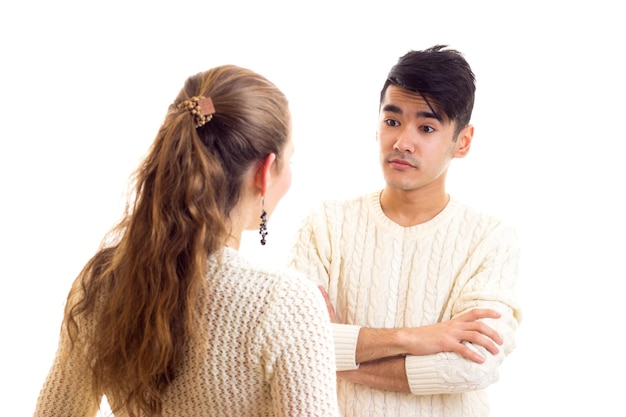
column 84, row 87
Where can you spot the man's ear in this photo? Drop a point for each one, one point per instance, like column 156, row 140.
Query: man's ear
column 464, row 141
column 264, row 173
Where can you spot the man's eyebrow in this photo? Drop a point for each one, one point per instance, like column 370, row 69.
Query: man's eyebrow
column 392, row 108
column 428, row 115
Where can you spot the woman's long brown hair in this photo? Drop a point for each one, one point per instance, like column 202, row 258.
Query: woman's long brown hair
column 133, row 307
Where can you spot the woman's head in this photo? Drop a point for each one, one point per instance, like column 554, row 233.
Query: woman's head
column 251, row 120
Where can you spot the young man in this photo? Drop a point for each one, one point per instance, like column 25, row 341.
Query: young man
column 422, row 285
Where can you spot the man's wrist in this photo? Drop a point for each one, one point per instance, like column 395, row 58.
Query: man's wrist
column 380, row 343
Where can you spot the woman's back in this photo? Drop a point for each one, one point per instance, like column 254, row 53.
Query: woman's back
column 265, row 335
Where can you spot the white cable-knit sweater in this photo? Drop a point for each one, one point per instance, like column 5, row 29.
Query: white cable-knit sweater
column 381, row 275
column 266, row 350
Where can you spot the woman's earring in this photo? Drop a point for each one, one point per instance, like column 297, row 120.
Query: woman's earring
column 263, row 225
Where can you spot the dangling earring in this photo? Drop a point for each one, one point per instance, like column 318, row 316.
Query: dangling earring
column 263, row 225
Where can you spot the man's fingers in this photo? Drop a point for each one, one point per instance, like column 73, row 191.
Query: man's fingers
column 482, row 340
column 480, row 313
column 471, row 324
column 469, row 353
column 329, row 306
column 483, row 329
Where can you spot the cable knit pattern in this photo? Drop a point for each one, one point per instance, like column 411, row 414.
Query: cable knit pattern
column 381, row 275
column 266, row 350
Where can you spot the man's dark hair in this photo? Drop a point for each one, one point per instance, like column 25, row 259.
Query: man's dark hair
column 442, row 77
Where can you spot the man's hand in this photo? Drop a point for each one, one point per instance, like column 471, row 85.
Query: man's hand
column 448, row 336
column 329, row 306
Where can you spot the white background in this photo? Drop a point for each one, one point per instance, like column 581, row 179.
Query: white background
column 85, row 85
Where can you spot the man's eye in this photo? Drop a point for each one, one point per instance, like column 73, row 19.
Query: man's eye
column 428, row 129
column 391, row 122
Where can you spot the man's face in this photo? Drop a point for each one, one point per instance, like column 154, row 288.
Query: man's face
column 415, row 147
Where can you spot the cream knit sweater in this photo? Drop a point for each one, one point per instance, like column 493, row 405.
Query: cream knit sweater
column 381, row 275
column 267, row 350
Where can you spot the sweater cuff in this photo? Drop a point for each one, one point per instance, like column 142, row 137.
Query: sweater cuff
column 345, row 337
column 421, row 372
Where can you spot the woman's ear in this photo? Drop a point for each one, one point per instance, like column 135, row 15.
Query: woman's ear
column 464, row 142
column 264, row 173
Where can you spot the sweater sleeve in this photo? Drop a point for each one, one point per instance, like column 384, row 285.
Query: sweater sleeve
column 311, row 255
column 311, row 251
column 299, row 354
column 487, row 281
column 67, row 390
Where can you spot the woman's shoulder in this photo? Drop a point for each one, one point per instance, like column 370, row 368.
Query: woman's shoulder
column 279, row 276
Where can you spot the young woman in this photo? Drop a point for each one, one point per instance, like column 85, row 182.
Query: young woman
column 167, row 318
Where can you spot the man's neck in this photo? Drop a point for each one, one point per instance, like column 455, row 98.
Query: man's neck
column 409, row 208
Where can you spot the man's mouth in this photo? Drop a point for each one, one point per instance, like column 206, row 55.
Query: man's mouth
column 402, row 163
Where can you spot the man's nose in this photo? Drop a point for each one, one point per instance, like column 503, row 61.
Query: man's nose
column 405, row 142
